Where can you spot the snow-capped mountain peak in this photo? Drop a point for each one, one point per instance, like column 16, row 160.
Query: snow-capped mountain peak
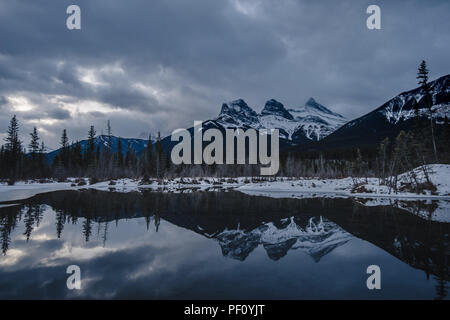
column 312, row 121
column 237, row 113
column 273, row 107
column 313, row 106
column 317, row 121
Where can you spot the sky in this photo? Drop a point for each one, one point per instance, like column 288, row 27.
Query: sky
column 150, row 66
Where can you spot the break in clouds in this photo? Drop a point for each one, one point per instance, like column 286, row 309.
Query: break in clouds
column 158, row 65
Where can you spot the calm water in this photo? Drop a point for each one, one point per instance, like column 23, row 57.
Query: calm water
column 211, row 245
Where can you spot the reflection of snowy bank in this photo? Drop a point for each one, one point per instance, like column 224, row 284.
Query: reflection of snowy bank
column 429, row 205
column 433, row 209
column 429, row 209
column 317, row 238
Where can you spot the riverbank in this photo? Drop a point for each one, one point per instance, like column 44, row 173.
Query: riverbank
column 438, row 175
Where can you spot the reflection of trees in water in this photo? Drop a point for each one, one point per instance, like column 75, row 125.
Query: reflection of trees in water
column 413, row 238
column 441, row 288
column 33, row 216
column 422, row 244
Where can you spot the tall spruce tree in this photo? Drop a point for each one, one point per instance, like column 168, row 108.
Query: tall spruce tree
column 160, row 163
column 64, row 149
column 34, row 143
column 13, row 149
column 422, row 76
column 13, row 143
column 89, row 154
column 34, row 160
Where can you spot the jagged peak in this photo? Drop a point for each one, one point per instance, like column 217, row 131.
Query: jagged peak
column 273, row 107
column 237, row 106
column 312, row 103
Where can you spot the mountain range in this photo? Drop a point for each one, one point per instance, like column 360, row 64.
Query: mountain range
column 313, row 126
column 310, row 122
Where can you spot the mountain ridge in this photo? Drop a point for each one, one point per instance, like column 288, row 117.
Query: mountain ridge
column 103, row 142
column 391, row 117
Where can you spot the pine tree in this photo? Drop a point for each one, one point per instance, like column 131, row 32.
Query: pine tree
column 91, row 139
column 13, row 149
column 43, row 161
column 422, row 76
column 34, row 143
column 90, row 152
column 64, row 149
column 13, row 143
column 64, row 139
column 34, row 168
column 159, row 157
column 43, row 148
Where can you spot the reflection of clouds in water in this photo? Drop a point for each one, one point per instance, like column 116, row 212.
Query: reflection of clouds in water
column 12, row 258
column 181, row 261
column 428, row 209
column 73, row 253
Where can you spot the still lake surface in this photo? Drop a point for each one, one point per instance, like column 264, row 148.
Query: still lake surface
column 217, row 245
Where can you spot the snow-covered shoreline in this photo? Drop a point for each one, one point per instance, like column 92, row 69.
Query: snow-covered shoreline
column 279, row 187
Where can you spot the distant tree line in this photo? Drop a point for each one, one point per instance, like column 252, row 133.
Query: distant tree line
column 72, row 160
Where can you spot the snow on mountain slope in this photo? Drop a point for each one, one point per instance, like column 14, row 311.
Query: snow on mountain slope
column 316, row 120
column 401, row 107
column 312, row 121
column 393, row 116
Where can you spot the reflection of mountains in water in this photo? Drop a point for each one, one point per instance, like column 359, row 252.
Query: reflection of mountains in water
column 317, row 238
column 240, row 222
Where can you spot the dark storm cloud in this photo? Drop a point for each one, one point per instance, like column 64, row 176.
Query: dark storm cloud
column 158, row 65
column 53, row 113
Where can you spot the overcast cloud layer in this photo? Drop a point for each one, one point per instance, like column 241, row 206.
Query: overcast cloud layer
column 158, row 65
